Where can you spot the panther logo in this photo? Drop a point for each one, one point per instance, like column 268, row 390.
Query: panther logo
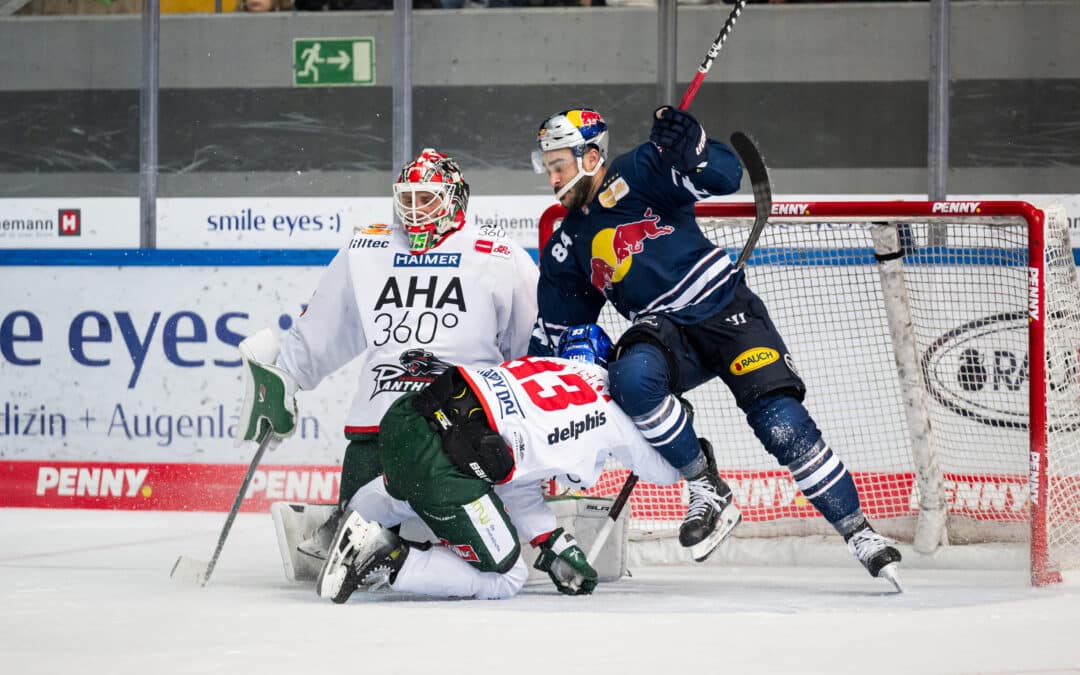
column 418, row 369
column 422, row 362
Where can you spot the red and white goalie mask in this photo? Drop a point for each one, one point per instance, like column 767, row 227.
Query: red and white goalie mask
column 430, row 198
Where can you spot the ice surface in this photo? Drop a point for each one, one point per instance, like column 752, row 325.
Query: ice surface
column 88, row 592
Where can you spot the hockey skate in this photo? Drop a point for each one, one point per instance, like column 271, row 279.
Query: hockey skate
column 317, row 543
column 712, row 513
column 876, row 554
column 361, row 554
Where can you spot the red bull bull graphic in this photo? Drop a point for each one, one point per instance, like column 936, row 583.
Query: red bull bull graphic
column 586, row 117
column 613, row 249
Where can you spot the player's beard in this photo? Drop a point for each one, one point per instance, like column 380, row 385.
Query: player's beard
column 578, row 196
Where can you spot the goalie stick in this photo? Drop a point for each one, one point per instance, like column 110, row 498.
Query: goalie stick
column 192, row 572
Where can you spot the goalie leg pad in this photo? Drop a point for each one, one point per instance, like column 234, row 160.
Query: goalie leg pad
column 293, row 523
column 305, row 531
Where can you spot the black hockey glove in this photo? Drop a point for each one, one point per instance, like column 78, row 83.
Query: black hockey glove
column 566, row 564
column 680, row 139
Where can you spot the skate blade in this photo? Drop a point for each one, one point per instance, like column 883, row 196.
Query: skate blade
column 189, row 572
column 729, row 518
column 891, row 573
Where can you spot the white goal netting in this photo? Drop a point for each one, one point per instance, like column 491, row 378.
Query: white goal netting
column 917, row 330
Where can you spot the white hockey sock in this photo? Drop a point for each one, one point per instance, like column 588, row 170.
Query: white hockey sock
column 440, row 573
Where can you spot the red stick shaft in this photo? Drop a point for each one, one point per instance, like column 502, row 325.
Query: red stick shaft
column 691, row 91
column 710, row 56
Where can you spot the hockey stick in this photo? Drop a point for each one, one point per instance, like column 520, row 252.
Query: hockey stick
column 710, row 56
column 759, row 180
column 747, row 151
column 613, row 515
column 192, row 572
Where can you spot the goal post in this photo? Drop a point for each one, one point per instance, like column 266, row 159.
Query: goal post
column 946, row 376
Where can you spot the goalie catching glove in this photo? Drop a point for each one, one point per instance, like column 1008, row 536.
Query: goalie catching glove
column 680, row 139
column 269, row 404
column 566, row 564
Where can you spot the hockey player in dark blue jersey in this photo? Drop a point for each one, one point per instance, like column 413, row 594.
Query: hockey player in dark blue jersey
column 630, row 238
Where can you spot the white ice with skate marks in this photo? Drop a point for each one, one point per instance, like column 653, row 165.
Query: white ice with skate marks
column 89, row 592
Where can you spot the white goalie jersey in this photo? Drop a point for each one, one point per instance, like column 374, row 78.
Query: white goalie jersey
column 471, row 301
column 559, row 421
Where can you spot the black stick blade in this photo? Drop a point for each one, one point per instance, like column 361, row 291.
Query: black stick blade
column 759, row 180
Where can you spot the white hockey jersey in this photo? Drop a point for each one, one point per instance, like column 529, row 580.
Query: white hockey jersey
column 470, row 301
column 559, row 421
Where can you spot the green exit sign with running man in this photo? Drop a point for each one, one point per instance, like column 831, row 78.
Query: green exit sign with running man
column 333, row 62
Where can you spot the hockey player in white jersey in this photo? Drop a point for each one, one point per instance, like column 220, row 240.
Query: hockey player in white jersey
column 405, row 302
column 469, row 455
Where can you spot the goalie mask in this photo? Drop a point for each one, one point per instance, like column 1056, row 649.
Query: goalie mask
column 430, row 198
column 587, row 342
column 576, row 129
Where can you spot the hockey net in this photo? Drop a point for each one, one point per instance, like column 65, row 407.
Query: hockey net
column 939, row 344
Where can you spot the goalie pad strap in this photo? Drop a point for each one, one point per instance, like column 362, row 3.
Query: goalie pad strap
column 456, row 414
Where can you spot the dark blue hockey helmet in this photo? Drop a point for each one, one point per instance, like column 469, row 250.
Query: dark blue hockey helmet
column 587, row 342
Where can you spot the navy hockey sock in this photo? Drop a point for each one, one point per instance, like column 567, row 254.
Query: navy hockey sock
column 787, row 431
column 640, row 385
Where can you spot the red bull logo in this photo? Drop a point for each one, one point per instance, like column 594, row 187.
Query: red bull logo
column 584, row 118
column 613, row 249
column 602, row 273
column 629, row 237
column 589, row 118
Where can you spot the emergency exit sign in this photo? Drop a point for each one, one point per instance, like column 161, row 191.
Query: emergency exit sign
column 333, row 62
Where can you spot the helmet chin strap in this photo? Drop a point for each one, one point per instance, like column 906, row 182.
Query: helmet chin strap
column 580, row 174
